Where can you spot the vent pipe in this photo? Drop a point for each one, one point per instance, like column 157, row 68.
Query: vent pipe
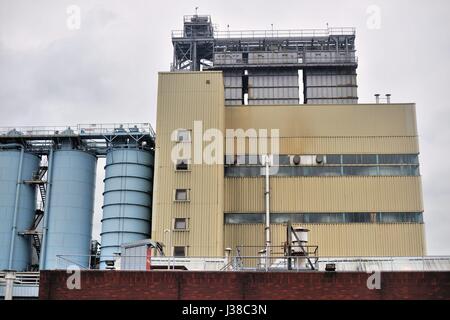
column 377, row 98
column 388, row 98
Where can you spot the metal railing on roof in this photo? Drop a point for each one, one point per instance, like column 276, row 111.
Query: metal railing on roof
column 30, row 278
column 276, row 262
column 77, row 130
column 263, row 34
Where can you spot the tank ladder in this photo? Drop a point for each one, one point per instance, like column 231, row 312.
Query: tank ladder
column 37, row 180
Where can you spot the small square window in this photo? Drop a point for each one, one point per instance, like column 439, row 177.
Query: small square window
column 179, row 251
column 181, row 195
column 180, row 224
column 183, row 135
column 182, row 165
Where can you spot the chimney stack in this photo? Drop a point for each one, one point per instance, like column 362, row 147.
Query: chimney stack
column 388, row 98
column 377, row 98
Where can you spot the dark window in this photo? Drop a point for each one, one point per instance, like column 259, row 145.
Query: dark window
column 360, row 171
column 181, row 195
column 182, row 165
column 333, row 159
column 338, row 217
column 359, row 159
column 183, row 135
column 180, row 224
column 179, row 251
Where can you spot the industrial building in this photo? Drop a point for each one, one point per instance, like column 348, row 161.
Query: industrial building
column 262, row 160
column 348, row 172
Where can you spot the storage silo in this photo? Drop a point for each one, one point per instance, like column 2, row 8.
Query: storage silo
column 17, row 206
column 69, row 213
column 127, row 199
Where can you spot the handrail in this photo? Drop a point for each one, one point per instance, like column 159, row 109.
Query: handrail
column 294, row 33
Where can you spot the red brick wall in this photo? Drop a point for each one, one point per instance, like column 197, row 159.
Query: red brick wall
column 159, row 285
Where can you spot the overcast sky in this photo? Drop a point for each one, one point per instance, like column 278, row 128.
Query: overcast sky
column 106, row 71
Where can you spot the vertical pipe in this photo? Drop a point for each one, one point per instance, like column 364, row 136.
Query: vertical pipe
column 43, row 259
column 267, row 195
column 9, row 279
column 16, row 209
column 289, row 244
column 377, row 98
column 388, row 98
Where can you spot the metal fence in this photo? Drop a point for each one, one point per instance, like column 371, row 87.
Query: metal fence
column 268, row 263
column 257, row 34
column 80, row 129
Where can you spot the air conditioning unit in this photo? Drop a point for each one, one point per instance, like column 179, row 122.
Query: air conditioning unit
column 295, row 160
column 320, row 160
column 307, row 160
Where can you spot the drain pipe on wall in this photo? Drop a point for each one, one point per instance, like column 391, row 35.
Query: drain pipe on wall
column 267, row 198
column 16, row 201
column 43, row 259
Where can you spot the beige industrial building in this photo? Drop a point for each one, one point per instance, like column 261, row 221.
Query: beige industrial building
column 359, row 196
column 348, row 172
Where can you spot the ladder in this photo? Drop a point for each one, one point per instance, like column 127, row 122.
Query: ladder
column 37, row 180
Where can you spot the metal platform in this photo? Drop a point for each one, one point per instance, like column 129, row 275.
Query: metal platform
column 96, row 138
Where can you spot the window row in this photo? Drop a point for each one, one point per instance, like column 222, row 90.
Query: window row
column 305, row 171
column 341, row 217
column 328, row 159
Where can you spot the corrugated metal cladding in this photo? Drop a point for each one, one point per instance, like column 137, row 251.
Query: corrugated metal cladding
column 228, row 58
column 127, row 200
column 325, row 194
column 329, row 56
column 337, row 86
column 338, row 239
column 269, row 87
column 232, row 80
column 337, row 145
column 9, row 171
column 70, row 210
column 182, row 99
column 272, row 57
column 362, row 120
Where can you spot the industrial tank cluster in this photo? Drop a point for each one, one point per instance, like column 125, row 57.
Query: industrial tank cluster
column 63, row 171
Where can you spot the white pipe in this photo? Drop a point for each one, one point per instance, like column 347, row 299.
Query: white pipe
column 16, row 209
column 388, row 98
column 43, row 262
column 267, row 196
column 9, row 279
column 377, row 98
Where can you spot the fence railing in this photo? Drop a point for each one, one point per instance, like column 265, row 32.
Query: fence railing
column 257, row 34
column 80, row 129
column 30, row 278
column 276, row 262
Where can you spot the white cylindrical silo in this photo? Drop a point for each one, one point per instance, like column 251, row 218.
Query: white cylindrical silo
column 17, row 206
column 127, row 199
column 69, row 212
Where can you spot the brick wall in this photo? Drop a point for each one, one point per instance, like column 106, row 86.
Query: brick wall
column 163, row 285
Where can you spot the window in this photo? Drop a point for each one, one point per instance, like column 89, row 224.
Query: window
column 181, row 195
column 180, row 224
column 183, row 135
column 182, row 165
column 179, row 251
column 335, row 217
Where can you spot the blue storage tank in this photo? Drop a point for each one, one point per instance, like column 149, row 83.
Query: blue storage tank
column 127, row 199
column 70, row 209
column 17, row 207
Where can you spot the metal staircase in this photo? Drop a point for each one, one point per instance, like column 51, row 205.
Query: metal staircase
column 37, row 180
